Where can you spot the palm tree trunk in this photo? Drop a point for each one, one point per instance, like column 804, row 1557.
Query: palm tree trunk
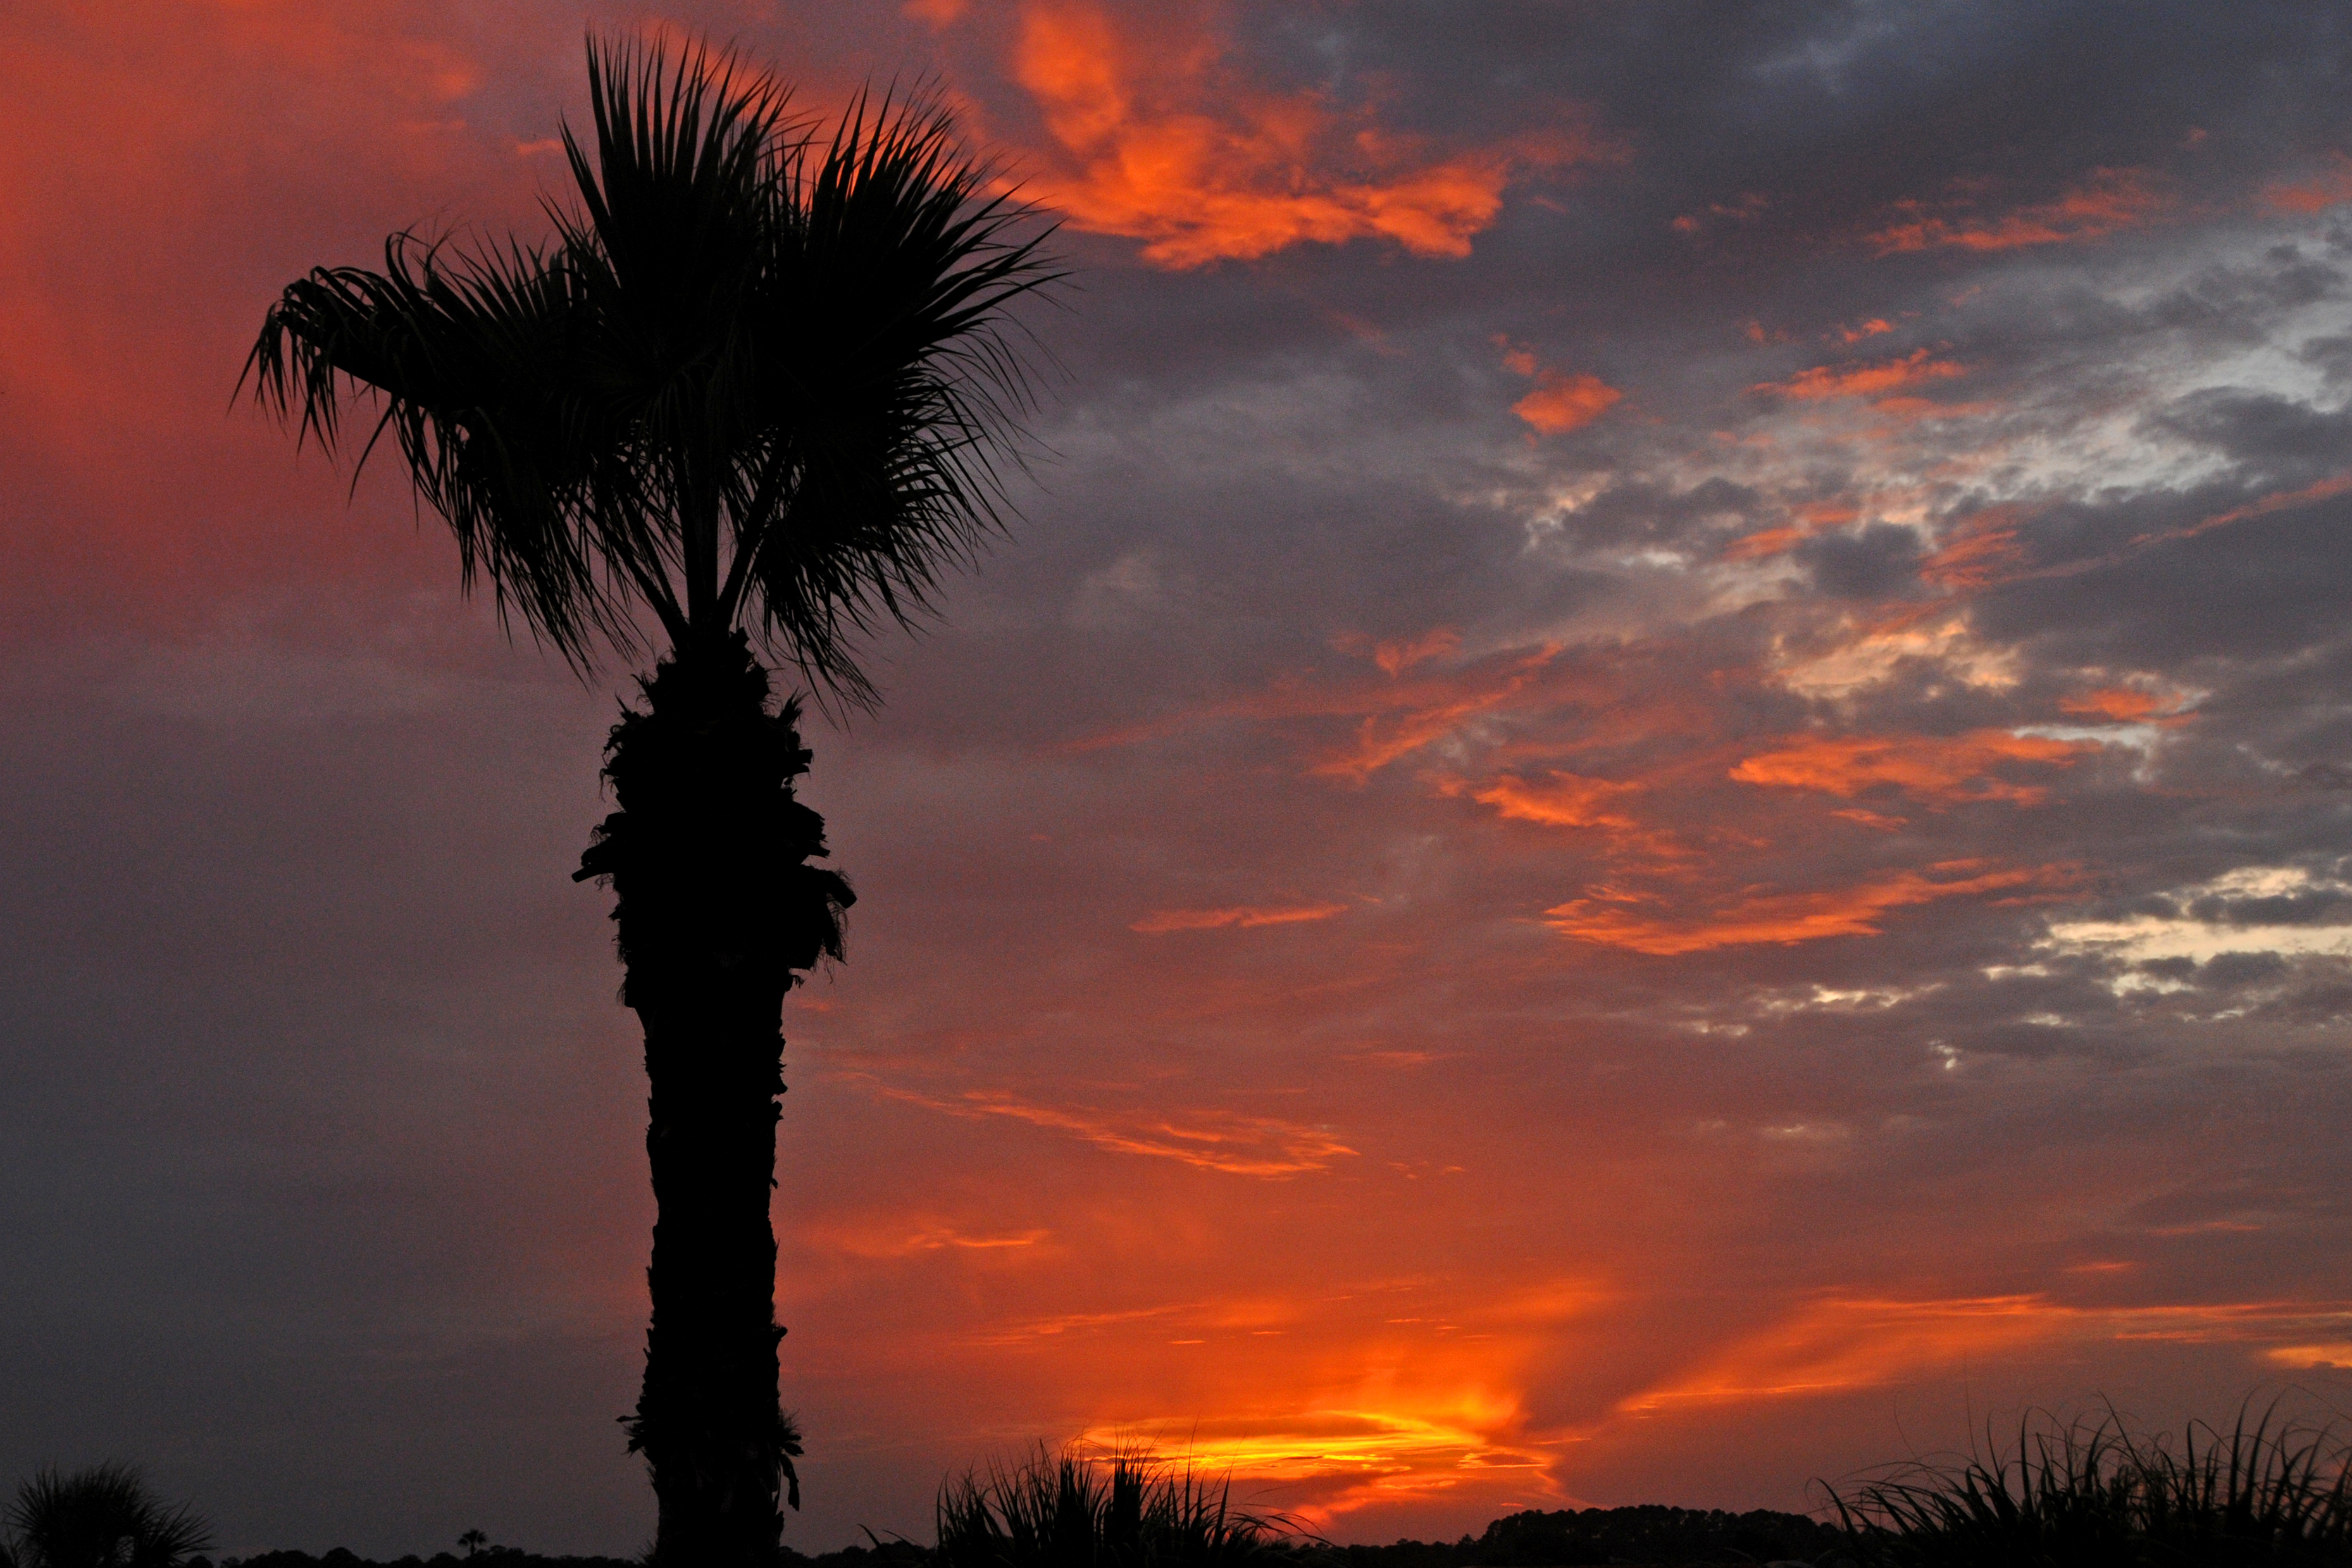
column 718, row 909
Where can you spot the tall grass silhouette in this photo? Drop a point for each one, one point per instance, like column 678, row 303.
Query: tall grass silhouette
column 2092, row 1494
column 1071, row 1510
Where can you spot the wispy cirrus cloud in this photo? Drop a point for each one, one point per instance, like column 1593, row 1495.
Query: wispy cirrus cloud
column 1242, row 917
column 1842, row 1343
column 1210, row 1139
column 1788, row 919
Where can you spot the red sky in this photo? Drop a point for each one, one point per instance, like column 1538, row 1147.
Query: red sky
column 1653, row 805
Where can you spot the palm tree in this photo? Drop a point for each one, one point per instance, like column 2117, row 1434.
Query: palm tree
column 101, row 1517
column 756, row 388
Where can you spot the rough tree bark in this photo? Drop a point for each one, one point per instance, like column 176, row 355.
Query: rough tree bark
column 719, row 912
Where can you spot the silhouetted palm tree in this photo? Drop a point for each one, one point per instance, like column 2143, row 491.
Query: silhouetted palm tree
column 753, row 388
column 101, row 1517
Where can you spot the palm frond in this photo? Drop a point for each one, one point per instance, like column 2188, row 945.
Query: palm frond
column 900, row 393
column 752, row 380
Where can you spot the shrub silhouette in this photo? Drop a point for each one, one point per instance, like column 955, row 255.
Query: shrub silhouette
column 1123, row 1511
column 100, row 1517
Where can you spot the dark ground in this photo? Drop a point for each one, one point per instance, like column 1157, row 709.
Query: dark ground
column 1650, row 1535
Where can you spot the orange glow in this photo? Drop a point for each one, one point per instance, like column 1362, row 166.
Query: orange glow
column 1345, row 1458
column 2318, row 195
column 1160, row 141
column 1913, row 369
column 1938, row 769
column 1785, row 919
column 2110, row 200
column 1381, row 1391
column 1243, row 916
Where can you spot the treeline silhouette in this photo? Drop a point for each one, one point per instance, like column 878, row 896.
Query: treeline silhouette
column 1652, row 1534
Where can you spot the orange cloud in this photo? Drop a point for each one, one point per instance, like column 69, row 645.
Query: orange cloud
column 1560, row 402
column 1575, row 802
column 1749, row 206
column 2327, row 190
column 1160, row 139
column 1941, row 769
column 2124, row 706
column 2110, row 200
column 1568, row 801
column 1784, row 919
column 1241, row 915
column 1914, row 368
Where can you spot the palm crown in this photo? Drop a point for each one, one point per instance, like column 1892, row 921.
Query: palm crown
column 755, row 381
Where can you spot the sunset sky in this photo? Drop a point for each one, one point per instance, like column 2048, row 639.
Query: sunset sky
column 1656, row 799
